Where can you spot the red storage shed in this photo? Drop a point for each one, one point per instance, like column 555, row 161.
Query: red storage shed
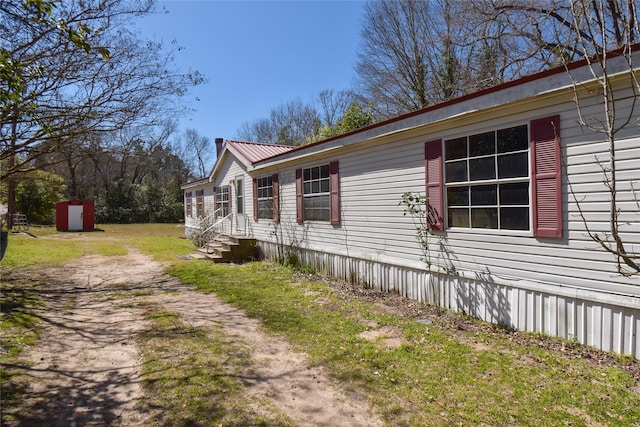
column 75, row 215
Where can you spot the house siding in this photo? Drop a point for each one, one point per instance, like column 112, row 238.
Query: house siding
column 565, row 285
column 374, row 178
column 586, row 317
column 192, row 222
column 230, row 170
column 506, row 277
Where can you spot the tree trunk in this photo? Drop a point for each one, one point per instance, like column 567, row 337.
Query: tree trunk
column 11, row 179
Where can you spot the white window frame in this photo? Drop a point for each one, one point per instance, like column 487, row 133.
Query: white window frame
column 200, row 203
column 222, row 200
column 189, row 203
column 264, row 188
column 315, row 191
column 471, row 184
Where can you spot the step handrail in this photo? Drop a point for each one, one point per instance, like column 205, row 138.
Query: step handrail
column 212, row 215
column 215, row 224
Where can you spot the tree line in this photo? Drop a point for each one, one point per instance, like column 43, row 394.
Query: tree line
column 86, row 98
column 417, row 53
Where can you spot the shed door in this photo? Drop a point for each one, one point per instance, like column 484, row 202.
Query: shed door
column 75, row 217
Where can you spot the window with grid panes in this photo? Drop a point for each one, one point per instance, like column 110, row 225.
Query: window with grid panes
column 188, row 204
column 222, row 200
column 265, row 197
column 199, row 203
column 315, row 190
column 487, row 180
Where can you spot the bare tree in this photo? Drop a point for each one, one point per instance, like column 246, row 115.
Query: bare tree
column 298, row 123
column 294, row 122
column 417, row 53
column 334, row 104
column 259, row 130
column 600, row 26
column 291, row 124
column 397, row 43
column 198, row 148
column 68, row 95
column 564, row 29
column 603, row 34
column 523, row 33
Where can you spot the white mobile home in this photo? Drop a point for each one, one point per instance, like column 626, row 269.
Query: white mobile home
column 515, row 184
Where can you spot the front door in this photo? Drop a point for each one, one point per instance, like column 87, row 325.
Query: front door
column 239, row 204
column 75, row 217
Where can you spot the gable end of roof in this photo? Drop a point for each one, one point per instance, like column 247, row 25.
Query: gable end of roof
column 257, row 151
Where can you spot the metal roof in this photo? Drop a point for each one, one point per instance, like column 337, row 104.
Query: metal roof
column 256, row 151
column 194, row 183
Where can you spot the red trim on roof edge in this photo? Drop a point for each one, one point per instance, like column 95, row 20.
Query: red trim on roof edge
column 260, row 143
column 203, row 180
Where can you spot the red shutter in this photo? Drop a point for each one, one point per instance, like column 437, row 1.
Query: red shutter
column 433, row 173
column 255, row 199
column 299, row 206
column 334, row 193
column 276, row 197
column 546, row 177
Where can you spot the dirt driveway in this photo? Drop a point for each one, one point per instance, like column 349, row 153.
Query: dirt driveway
column 86, row 368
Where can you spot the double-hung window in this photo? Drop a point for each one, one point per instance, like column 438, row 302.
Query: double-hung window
column 188, row 203
column 487, row 180
column 507, row 179
column 266, row 198
column 222, row 200
column 318, row 193
column 264, row 189
column 199, row 203
column 315, row 189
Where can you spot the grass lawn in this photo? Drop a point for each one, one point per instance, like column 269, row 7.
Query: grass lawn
column 449, row 370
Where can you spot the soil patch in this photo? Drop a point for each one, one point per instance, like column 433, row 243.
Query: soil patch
column 86, row 368
column 387, row 336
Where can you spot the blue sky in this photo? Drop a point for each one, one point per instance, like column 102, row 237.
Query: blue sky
column 257, row 55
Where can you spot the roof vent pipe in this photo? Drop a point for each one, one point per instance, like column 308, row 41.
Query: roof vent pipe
column 219, row 142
